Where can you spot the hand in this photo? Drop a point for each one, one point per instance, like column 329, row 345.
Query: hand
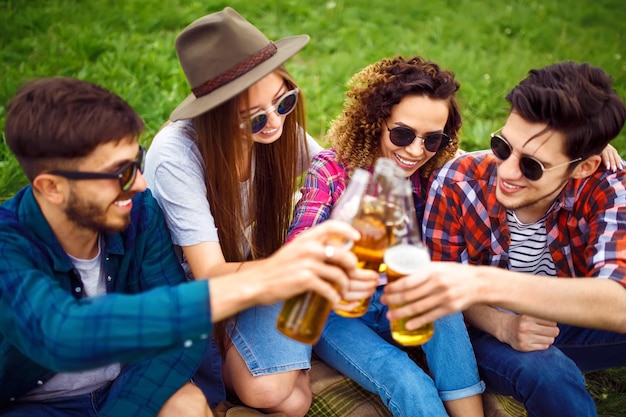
column 526, row 333
column 436, row 290
column 362, row 284
column 611, row 158
column 304, row 264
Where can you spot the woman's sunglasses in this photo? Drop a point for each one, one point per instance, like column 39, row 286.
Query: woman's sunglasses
column 283, row 106
column 125, row 175
column 531, row 168
column 403, row 136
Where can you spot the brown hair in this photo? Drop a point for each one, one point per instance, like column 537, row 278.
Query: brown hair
column 52, row 122
column 374, row 91
column 270, row 202
column 575, row 99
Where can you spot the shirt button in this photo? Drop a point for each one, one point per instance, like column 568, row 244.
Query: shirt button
column 39, row 382
column 109, row 278
column 77, row 289
column 12, row 399
column 188, row 343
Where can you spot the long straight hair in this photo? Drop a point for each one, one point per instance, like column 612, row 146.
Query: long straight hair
column 261, row 220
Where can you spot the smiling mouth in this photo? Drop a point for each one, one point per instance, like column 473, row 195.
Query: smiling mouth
column 509, row 186
column 406, row 162
column 122, row 203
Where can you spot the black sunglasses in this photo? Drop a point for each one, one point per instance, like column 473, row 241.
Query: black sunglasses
column 403, row 136
column 283, row 106
column 531, row 167
column 125, row 175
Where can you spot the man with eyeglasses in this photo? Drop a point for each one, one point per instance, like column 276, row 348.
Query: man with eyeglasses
column 539, row 206
column 96, row 317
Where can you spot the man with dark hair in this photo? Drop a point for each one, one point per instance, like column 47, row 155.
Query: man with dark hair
column 539, row 205
column 95, row 315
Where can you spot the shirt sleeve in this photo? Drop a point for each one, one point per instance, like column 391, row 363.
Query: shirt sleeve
column 442, row 223
column 48, row 325
column 323, row 184
column 605, row 227
column 175, row 175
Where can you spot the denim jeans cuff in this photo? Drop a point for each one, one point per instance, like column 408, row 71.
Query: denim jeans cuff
column 456, row 394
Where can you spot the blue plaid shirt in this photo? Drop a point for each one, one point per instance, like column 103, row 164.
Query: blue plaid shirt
column 46, row 326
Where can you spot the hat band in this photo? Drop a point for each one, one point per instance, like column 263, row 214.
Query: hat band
column 236, row 71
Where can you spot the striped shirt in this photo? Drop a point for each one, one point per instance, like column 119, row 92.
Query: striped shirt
column 585, row 231
column 49, row 326
column 529, row 247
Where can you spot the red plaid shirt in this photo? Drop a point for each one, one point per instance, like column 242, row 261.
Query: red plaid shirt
column 586, row 226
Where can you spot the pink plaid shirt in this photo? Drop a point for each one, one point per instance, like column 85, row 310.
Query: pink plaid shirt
column 324, row 183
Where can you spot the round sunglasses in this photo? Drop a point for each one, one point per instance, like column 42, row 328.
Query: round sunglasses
column 125, row 175
column 283, row 106
column 403, row 136
column 531, row 167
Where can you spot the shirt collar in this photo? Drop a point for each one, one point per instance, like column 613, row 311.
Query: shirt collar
column 30, row 215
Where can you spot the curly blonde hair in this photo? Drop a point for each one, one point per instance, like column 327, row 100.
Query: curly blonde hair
column 373, row 91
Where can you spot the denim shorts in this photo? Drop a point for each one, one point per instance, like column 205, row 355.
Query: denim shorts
column 264, row 349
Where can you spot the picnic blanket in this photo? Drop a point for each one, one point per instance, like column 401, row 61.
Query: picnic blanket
column 335, row 395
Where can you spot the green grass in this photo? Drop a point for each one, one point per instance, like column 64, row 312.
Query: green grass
column 128, row 47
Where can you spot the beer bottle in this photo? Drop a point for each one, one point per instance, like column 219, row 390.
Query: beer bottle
column 372, row 221
column 406, row 254
column 303, row 316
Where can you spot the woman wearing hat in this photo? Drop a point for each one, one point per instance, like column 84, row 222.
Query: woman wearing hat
column 224, row 171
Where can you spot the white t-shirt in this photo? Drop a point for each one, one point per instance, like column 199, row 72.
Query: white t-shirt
column 66, row 384
column 175, row 174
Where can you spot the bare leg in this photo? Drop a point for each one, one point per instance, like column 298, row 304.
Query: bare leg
column 466, row 407
column 188, row 401
column 287, row 392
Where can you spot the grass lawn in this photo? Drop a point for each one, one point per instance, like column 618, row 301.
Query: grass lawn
column 128, row 47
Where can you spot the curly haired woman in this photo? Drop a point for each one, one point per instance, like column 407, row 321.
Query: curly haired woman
column 406, row 110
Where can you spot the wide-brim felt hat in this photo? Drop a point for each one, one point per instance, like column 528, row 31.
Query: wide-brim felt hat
column 222, row 54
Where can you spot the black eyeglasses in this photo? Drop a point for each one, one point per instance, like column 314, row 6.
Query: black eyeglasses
column 531, row 167
column 125, row 175
column 283, row 106
column 403, row 136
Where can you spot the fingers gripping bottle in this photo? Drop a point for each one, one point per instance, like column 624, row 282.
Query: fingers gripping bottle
column 303, row 316
column 371, row 221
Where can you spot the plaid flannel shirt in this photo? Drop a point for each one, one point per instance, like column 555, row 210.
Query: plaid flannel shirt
column 46, row 326
column 586, row 227
column 325, row 181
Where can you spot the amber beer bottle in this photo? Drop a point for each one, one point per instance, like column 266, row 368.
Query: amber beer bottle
column 303, row 317
column 372, row 221
column 406, row 255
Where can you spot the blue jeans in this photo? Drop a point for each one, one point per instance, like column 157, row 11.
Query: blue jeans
column 208, row 376
column 362, row 349
column 549, row 382
column 86, row 405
